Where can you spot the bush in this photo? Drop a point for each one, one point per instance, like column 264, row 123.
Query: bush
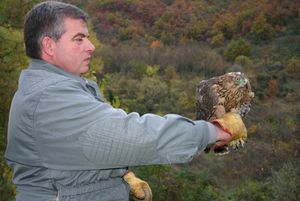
column 236, row 48
column 286, row 182
column 169, row 183
column 293, row 67
column 261, row 30
column 243, row 61
column 198, row 186
column 253, row 191
column 218, row 40
column 7, row 188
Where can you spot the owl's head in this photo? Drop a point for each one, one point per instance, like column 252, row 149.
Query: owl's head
column 239, row 79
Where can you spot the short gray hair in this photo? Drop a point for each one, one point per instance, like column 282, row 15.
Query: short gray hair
column 47, row 19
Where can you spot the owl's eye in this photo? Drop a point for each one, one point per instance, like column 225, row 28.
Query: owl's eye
column 236, row 79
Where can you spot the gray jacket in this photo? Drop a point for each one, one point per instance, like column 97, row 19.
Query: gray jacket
column 63, row 138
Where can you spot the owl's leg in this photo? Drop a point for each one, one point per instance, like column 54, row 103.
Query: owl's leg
column 235, row 110
column 219, row 111
column 244, row 109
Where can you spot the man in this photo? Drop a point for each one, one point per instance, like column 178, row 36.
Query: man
column 65, row 142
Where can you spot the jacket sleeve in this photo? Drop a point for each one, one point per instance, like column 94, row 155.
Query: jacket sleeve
column 75, row 131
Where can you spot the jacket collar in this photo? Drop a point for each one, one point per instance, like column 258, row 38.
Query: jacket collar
column 38, row 64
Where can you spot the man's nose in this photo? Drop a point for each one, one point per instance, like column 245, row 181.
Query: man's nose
column 90, row 47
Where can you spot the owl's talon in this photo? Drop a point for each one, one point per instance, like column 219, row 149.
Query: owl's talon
column 236, row 144
column 221, row 151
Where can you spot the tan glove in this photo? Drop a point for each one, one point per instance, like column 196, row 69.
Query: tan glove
column 139, row 189
column 232, row 124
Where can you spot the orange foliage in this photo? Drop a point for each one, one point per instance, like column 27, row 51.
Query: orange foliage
column 156, row 44
column 272, row 89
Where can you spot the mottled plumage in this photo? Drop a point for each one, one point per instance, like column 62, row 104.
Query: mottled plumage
column 230, row 92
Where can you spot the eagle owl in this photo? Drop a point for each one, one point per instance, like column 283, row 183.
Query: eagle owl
column 230, row 92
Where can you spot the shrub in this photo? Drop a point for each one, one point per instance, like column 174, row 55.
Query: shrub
column 261, row 30
column 218, row 40
column 293, row 67
column 286, row 183
column 236, row 48
column 253, row 191
column 7, row 189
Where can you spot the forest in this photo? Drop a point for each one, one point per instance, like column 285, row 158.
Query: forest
column 150, row 56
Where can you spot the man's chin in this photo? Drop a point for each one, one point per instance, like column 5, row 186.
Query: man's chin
column 85, row 72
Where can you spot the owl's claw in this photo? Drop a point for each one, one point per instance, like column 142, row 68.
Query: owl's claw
column 222, row 150
column 236, row 144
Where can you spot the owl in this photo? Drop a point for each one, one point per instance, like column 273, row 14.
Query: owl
column 216, row 96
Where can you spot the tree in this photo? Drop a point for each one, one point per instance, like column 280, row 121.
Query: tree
column 261, row 30
column 286, row 182
column 218, row 40
column 236, row 48
column 293, row 66
column 253, row 191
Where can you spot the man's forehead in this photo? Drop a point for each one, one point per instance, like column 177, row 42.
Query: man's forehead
column 71, row 23
column 76, row 26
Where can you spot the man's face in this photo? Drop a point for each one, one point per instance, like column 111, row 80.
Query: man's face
column 72, row 52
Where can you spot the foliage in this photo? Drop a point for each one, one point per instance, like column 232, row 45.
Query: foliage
column 286, row 182
column 261, row 30
column 142, row 21
column 293, row 66
column 12, row 12
column 237, row 48
column 151, row 94
column 243, row 60
column 189, row 57
column 7, row 189
column 180, row 184
column 200, row 187
column 253, row 191
column 218, row 40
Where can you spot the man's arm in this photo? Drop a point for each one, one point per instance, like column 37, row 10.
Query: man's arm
column 75, row 131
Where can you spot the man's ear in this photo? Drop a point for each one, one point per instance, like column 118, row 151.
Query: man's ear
column 47, row 45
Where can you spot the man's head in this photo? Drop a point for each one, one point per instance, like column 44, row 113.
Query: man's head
column 57, row 33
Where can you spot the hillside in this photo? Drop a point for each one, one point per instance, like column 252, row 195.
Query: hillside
column 150, row 56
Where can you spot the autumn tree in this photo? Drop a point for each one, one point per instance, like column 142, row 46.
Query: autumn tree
column 236, row 48
column 261, row 30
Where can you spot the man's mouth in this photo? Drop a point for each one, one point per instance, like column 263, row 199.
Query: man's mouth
column 87, row 59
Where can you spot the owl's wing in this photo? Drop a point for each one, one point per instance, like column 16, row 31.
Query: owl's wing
column 206, row 99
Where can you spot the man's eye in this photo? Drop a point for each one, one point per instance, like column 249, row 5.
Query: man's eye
column 78, row 39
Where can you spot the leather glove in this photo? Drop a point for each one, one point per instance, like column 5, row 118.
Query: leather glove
column 232, row 124
column 139, row 189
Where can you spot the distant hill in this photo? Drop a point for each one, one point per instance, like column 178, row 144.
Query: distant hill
column 179, row 21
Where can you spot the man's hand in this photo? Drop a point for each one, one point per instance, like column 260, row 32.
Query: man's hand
column 230, row 130
column 138, row 188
